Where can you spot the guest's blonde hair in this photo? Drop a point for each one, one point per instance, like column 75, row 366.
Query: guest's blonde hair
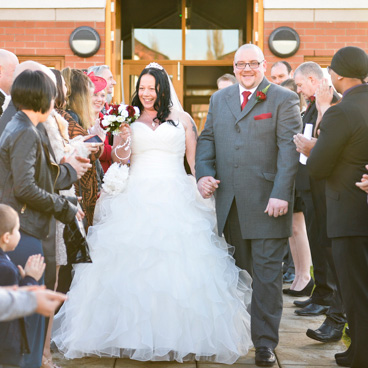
column 78, row 98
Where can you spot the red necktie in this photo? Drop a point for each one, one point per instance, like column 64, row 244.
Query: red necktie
column 246, row 95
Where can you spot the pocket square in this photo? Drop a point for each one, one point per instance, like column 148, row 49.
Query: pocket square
column 267, row 115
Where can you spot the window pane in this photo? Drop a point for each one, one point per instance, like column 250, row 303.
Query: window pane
column 158, row 44
column 211, row 44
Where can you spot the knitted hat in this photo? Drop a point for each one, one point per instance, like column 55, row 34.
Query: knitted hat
column 350, row 62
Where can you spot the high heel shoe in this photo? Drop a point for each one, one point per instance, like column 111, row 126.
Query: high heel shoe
column 307, row 291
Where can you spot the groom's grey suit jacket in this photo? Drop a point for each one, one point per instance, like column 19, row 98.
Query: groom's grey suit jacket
column 253, row 154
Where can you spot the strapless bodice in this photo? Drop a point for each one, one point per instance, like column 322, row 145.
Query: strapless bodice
column 157, row 152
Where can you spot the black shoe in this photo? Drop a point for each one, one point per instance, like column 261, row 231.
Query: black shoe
column 344, row 361
column 265, row 357
column 307, row 291
column 288, row 277
column 302, row 303
column 344, row 353
column 312, row 310
column 327, row 332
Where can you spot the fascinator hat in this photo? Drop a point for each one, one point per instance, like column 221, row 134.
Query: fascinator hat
column 98, row 82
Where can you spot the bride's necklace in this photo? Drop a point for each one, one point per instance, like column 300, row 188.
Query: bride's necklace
column 153, row 123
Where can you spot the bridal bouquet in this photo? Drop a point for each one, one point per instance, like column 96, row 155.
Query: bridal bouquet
column 115, row 179
column 117, row 115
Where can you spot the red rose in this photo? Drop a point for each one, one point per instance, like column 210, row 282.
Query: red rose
column 131, row 111
column 260, row 96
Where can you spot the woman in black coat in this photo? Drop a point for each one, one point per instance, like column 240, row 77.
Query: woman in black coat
column 27, row 177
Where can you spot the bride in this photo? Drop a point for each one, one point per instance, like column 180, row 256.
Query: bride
column 162, row 285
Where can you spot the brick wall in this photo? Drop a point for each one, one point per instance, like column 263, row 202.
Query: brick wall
column 49, row 38
column 318, row 39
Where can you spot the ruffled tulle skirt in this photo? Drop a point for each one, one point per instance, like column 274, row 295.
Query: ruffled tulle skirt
column 162, row 285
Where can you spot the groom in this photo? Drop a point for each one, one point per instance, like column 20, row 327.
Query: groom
column 247, row 156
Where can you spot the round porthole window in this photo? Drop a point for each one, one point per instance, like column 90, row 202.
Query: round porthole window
column 284, row 42
column 84, row 41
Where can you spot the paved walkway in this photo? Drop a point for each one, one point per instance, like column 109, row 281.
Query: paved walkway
column 295, row 349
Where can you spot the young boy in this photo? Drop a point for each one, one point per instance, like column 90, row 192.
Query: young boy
column 13, row 338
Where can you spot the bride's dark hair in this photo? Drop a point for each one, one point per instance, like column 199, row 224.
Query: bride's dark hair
column 163, row 101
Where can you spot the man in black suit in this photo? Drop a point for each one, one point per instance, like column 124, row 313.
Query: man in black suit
column 339, row 156
column 8, row 63
column 308, row 77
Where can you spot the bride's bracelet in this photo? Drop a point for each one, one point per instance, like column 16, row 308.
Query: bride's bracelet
column 126, row 143
column 122, row 158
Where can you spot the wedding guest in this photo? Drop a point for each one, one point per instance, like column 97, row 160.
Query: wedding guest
column 246, row 155
column 98, row 102
column 80, row 116
column 29, row 187
column 281, row 71
column 13, row 335
column 8, row 63
column 299, row 245
column 225, row 80
column 104, row 72
column 326, row 297
column 57, row 130
column 21, row 302
column 339, row 156
column 70, row 169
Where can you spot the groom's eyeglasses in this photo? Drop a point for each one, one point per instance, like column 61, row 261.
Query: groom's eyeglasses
column 252, row 64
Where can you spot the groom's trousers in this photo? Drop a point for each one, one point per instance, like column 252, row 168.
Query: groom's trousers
column 262, row 258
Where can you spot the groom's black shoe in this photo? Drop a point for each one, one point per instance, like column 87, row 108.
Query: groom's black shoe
column 327, row 332
column 265, row 357
column 302, row 303
column 312, row 310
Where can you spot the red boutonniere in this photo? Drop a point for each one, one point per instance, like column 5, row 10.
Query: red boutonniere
column 262, row 95
column 312, row 99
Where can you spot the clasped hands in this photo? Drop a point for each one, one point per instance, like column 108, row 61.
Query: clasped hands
column 303, row 144
column 324, row 96
column 363, row 183
column 207, row 185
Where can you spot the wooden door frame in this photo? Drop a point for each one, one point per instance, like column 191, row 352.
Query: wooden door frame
column 113, row 54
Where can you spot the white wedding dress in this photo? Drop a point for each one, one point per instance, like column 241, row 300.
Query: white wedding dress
column 162, row 285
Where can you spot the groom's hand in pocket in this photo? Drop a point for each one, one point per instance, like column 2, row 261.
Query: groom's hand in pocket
column 207, row 186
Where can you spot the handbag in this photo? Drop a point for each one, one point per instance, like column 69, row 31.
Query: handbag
column 77, row 249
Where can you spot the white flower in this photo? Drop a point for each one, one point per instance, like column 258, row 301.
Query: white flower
column 105, row 122
column 115, row 179
column 125, row 113
column 137, row 112
column 122, row 108
column 111, row 118
column 120, row 119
